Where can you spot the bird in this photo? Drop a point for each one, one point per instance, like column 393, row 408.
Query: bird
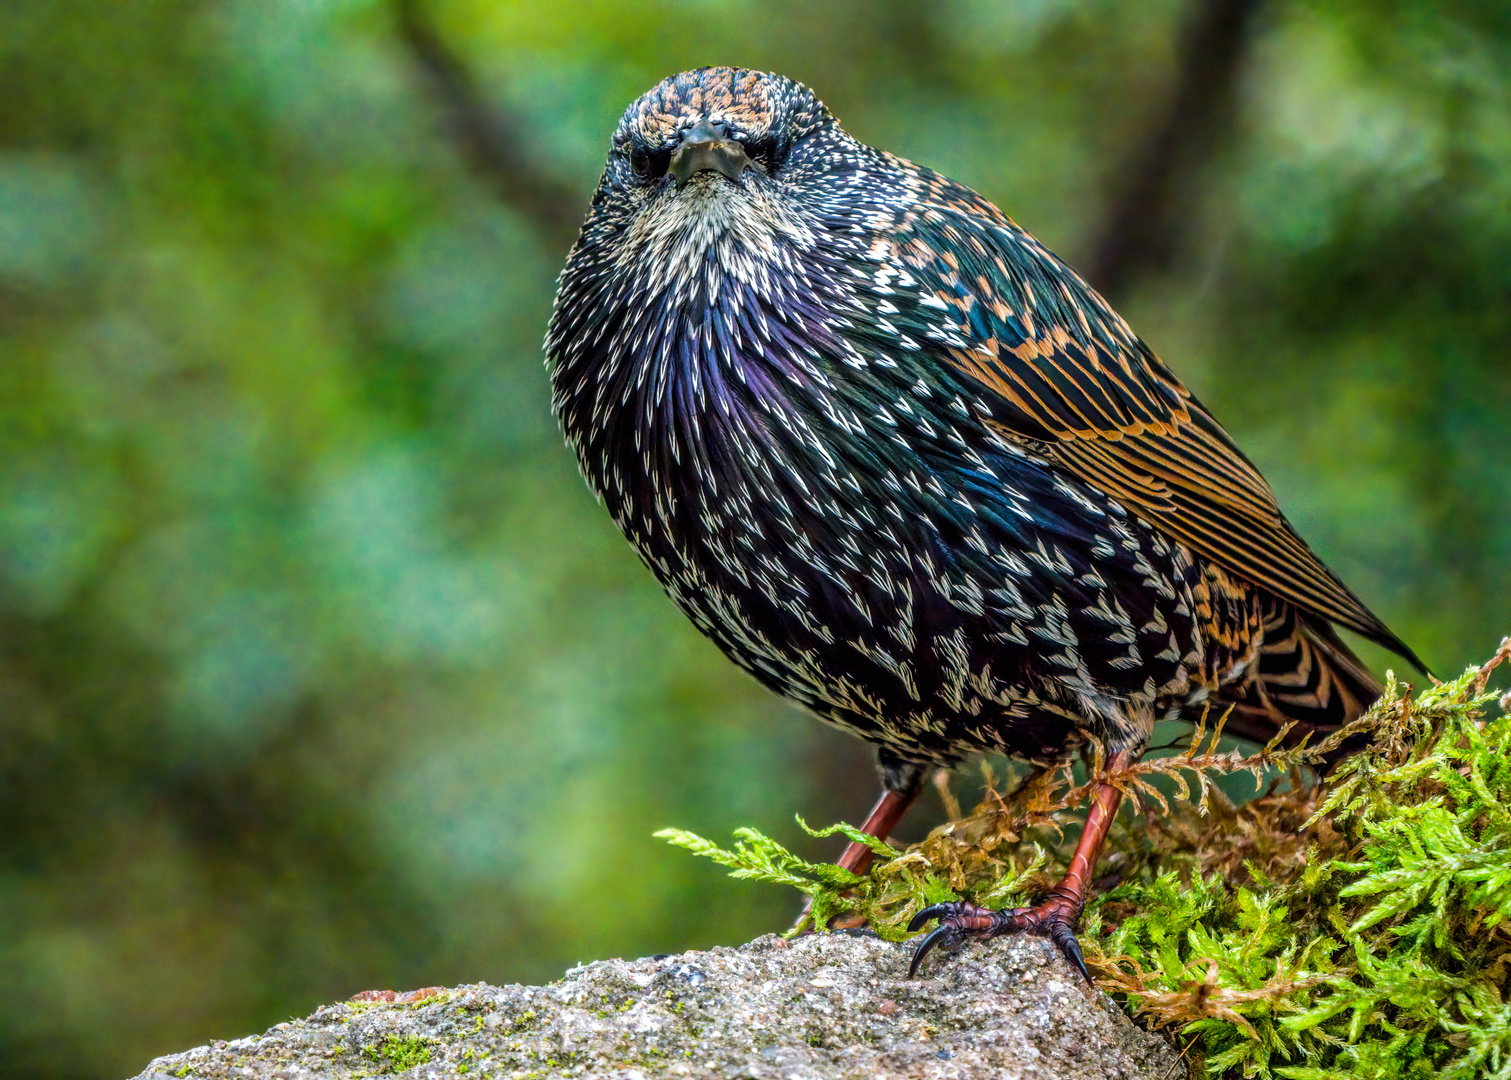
column 910, row 471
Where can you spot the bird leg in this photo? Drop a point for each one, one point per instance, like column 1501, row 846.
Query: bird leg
column 900, row 786
column 1054, row 918
column 884, row 817
column 857, row 857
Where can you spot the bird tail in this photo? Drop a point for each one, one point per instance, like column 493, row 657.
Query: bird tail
column 1305, row 676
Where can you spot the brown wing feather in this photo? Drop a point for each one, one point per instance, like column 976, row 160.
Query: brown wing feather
column 1069, row 376
column 1250, row 539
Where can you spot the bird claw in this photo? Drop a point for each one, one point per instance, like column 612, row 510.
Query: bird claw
column 945, row 935
column 959, row 920
column 946, row 910
column 1063, row 935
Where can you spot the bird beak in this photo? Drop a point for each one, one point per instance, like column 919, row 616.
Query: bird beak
column 704, row 148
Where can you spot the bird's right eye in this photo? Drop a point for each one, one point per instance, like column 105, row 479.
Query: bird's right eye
column 648, row 164
column 769, row 151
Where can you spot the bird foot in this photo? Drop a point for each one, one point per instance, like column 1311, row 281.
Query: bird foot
column 1054, row 919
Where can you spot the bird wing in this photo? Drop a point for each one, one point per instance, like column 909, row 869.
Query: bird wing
column 1067, row 375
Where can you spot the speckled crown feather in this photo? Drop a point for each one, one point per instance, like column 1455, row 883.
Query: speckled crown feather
column 749, row 103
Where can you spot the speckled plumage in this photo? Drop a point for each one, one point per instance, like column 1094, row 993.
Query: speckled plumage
column 904, row 465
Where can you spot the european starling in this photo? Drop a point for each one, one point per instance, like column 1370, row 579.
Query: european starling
column 907, row 469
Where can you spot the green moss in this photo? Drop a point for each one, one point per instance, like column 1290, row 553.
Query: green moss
column 1360, row 927
column 396, row 1055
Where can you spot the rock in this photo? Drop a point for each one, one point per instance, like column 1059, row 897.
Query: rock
column 833, row 1006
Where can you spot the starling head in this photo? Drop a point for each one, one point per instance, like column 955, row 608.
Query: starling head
column 718, row 180
column 717, row 119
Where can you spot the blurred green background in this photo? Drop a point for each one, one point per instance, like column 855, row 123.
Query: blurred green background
column 320, row 670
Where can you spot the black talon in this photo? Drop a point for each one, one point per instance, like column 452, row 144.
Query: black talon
column 933, row 911
column 927, row 945
column 1065, row 939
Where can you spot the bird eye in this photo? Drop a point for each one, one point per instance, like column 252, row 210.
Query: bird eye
column 768, row 151
column 648, row 164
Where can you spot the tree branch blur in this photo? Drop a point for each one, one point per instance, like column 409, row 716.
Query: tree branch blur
column 490, row 139
column 1145, row 220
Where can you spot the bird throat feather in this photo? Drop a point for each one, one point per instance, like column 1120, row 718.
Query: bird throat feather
column 711, row 334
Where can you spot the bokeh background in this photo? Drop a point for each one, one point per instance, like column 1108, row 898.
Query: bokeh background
column 319, row 668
